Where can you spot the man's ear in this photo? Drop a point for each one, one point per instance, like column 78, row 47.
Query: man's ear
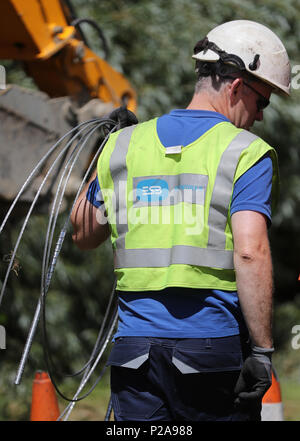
column 235, row 89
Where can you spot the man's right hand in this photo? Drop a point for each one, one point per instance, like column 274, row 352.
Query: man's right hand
column 123, row 117
column 255, row 377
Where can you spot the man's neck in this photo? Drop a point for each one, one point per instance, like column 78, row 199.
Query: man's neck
column 205, row 101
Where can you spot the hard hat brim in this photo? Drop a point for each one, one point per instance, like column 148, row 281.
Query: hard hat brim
column 206, row 55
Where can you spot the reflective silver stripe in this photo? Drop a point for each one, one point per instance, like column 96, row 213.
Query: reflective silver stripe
column 222, row 191
column 183, row 368
column 178, row 254
column 118, row 172
column 137, row 362
column 187, row 187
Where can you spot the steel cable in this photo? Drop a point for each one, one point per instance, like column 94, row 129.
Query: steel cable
column 29, row 213
column 59, row 244
column 102, row 123
column 38, row 166
column 46, row 282
column 102, row 349
column 48, row 268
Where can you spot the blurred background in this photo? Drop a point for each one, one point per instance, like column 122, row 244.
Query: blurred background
column 150, row 42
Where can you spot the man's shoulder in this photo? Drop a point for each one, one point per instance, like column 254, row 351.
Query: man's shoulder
column 139, row 126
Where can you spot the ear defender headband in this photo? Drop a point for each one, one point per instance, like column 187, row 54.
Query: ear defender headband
column 204, row 45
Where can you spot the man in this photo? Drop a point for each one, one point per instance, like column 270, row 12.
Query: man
column 189, row 199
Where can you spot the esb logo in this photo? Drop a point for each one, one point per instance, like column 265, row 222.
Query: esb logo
column 151, row 190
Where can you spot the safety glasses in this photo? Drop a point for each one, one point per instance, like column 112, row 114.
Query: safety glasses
column 262, row 102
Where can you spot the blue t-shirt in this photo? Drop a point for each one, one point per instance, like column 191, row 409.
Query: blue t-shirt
column 182, row 312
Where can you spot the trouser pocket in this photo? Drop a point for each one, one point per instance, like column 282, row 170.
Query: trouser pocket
column 133, row 397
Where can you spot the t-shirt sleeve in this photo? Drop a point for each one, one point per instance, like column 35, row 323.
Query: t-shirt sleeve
column 253, row 190
column 93, row 194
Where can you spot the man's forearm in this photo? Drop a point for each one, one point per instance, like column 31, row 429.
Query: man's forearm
column 254, row 275
column 88, row 232
column 255, row 291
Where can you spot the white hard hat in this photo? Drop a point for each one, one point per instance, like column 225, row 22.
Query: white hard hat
column 253, row 47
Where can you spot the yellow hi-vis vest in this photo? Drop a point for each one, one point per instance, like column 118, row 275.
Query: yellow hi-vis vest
column 169, row 208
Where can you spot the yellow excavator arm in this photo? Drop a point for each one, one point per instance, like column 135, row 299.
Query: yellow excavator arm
column 47, row 38
column 74, row 85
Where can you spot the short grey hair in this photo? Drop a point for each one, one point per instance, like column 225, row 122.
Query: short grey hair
column 215, row 75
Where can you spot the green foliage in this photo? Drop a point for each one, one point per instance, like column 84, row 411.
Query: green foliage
column 16, row 75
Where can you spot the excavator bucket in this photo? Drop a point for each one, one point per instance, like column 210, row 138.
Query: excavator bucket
column 73, row 85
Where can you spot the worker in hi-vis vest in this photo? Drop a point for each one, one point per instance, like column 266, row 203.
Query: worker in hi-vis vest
column 187, row 200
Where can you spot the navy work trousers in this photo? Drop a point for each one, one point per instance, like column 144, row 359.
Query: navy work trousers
column 159, row 379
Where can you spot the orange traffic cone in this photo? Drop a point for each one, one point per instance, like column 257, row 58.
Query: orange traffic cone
column 44, row 406
column 272, row 407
